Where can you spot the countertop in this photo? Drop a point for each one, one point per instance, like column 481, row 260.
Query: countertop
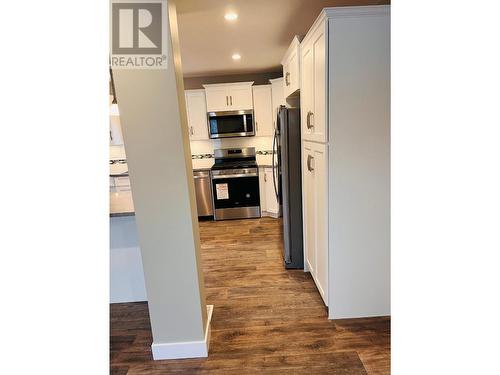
column 121, row 204
column 202, row 164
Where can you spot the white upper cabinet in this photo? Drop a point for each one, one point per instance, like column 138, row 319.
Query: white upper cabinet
column 196, row 109
column 263, row 111
column 313, row 84
column 291, row 68
column 229, row 96
column 278, row 97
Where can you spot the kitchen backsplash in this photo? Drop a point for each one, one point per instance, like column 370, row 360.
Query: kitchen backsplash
column 208, row 146
column 205, row 149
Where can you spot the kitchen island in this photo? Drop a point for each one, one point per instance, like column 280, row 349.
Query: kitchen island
column 125, row 262
column 126, row 272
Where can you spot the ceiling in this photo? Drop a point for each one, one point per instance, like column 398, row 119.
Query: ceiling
column 261, row 34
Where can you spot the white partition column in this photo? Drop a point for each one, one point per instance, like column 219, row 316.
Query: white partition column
column 153, row 118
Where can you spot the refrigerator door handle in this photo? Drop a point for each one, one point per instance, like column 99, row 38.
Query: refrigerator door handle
column 274, row 165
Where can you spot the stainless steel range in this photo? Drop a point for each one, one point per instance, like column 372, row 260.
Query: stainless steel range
column 235, row 183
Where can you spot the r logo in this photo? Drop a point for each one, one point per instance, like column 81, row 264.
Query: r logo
column 137, row 28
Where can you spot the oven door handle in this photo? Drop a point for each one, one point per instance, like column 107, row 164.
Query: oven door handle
column 219, row 176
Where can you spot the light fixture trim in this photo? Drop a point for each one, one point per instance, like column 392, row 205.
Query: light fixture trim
column 231, row 16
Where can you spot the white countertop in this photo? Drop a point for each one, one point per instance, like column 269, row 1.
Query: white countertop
column 202, row 163
column 121, row 204
column 262, row 160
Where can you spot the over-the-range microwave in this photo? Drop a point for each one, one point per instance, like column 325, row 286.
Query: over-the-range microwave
column 225, row 124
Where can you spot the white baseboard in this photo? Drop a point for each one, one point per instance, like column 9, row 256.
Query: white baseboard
column 270, row 214
column 186, row 349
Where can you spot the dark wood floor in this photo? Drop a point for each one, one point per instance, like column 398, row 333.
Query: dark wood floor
column 265, row 319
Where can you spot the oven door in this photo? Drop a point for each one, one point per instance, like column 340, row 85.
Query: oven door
column 236, row 196
column 230, row 124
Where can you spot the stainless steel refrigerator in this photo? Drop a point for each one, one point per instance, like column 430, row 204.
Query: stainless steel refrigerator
column 288, row 183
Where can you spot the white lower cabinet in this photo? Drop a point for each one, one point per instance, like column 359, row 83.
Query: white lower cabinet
column 315, row 206
column 268, row 202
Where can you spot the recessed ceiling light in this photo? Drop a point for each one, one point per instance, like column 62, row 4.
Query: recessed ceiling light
column 230, row 16
column 236, row 56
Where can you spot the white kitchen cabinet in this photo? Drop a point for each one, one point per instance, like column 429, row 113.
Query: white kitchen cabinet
column 345, row 117
column 278, row 97
column 268, row 202
column 229, row 96
column 196, row 109
column 291, row 68
column 271, row 201
column 263, row 110
column 315, row 206
column 115, row 131
column 313, row 84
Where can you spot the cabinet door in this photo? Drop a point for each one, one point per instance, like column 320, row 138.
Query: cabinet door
column 217, row 99
column 318, row 116
column 240, row 97
column 291, row 68
column 262, row 191
column 263, row 111
column 271, row 202
column 319, row 163
column 315, row 177
column 294, row 71
column 115, row 131
column 313, row 81
column 309, row 227
column 278, row 97
column 196, row 109
column 306, row 92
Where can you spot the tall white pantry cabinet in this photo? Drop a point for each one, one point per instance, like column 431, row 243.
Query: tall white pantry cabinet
column 345, row 128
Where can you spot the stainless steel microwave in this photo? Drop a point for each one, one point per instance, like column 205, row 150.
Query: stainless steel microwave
column 230, row 124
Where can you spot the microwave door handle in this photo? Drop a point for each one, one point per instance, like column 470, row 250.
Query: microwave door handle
column 245, row 123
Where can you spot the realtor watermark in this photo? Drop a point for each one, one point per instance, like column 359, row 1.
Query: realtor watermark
column 138, row 34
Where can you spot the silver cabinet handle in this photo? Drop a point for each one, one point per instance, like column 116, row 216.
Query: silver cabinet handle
column 287, row 76
column 227, row 100
column 308, row 122
column 309, row 167
column 191, row 130
column 265, row 177
column 256, row 126
column 111, row 136
column 231, row 98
